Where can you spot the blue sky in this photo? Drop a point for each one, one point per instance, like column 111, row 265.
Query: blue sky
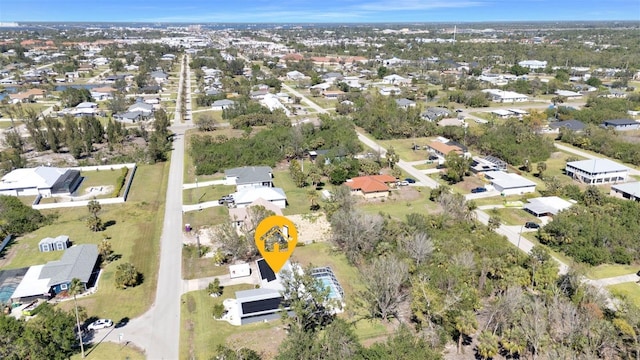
column 293, row 11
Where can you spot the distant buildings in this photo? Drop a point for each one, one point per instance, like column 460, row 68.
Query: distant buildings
column 503, row 96
column 533, row 64
column 597, row 171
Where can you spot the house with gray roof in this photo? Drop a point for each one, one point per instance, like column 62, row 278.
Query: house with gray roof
column 621, row 124
column 405, row 103
column 222, row 104
column 509, row 183
column 630, row 191
column 141, row 106
column 42, row 180
column 249, row 177
column 597, row 171
column 78, row 261
column 573, row 125
column 435, row 113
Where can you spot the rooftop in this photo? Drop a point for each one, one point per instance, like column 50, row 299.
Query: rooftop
column 371, row 183
column 250, row 174
column 597, row 166
column 547, row 205
column 508, row 180
column 632, row 188
column 77, row 262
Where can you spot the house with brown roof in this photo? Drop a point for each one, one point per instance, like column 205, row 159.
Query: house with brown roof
column 371, row 186
column 443, row 149
column 27, row 96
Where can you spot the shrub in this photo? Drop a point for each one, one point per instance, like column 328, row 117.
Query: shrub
column 120, row 182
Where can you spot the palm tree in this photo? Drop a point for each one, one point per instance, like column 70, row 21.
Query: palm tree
column 76, row 287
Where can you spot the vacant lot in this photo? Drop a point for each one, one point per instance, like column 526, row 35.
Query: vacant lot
column 402, row 202
column 404, row 148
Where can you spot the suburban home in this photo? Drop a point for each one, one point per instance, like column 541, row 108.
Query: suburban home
column 42, row 180
column 629, row 191
column 405, row 103
column 246, row 196
column 487, row 163
column 160, row 77
column 102, row 93
column 249, row 176
column 502, row 113
column 573, row 125
column 396, row 80
column 141, row 106
column 262, row 304
column 435, row 113
column 54, row 244
column 240, row 215
column 295, row 75
column 597, row 171
column 332, row 77
column 568, row 94
column 389, row 91
column 533, row 64
column 45, row 281
column 509, row 184
column 222, row 104
column 332, row 94
column 503, row 96
column 130, row 116
column 442, row 149
column 371, row 186
column 28, row 96
column 272, row 102
column 621, row 124
column 258, row 94
column 546, row 206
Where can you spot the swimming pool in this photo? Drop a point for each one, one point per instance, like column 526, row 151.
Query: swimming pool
column 6, row 291
column 328, row 279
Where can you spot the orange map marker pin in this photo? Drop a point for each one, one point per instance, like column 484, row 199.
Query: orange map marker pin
column 276, row 238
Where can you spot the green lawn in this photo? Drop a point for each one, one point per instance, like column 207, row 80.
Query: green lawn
column 297, row 198
column 109, row 350
column 611, row 270
column 7, row 124
column 134, row 233
column 217, row 115
column 629, row 291
column 510, row 216
column 206, row 193
column 194, row 267
column 98, row 179
column 403, row 147
column 399, row 206
column 206, row 217
column 200, row 334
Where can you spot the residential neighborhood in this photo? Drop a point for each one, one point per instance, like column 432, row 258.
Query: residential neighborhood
column 456, row 190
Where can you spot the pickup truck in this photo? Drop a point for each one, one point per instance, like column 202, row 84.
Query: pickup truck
column 227, row 199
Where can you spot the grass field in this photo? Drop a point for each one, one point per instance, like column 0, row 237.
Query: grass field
column 7, row 124
column 206, row 217
column 399, row 206
column 403, row 148
column 134, row 231
column 109, row 350
column 297, row 199
column 194, row 267
column 510, row 216
column 611, row 270
column 206, row 193
column 99, row 178
column 629, row 291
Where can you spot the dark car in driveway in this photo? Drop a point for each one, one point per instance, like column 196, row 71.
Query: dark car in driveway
column 531, row 225
column 410, row 180
column 478, row 190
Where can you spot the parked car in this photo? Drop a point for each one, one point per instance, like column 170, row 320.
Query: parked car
column 410, row 180
column 531, row 225
column 100, row 324
column 227, row 199
column 402, row 183
column 433, row 157
column 478, row 190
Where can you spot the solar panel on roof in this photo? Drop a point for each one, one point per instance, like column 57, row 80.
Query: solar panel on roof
column 265, row 271
column 257, row 306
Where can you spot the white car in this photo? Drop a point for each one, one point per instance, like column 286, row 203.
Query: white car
column 100, row 324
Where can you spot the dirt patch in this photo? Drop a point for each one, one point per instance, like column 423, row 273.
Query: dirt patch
column 10, row 253
column 255, row 340
column 311, row 227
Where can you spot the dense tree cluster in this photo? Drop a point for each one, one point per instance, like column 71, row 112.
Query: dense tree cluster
column 604, row 141
column 600, row 229
column 599, row 109
column 17, row 218
column 70, row 97
column 513, row 142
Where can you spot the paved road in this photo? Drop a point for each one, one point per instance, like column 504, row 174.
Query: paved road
column 158, row 330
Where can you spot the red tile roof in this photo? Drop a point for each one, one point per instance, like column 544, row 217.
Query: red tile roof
column 371, row 183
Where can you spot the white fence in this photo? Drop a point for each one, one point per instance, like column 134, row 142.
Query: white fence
column 105, row 167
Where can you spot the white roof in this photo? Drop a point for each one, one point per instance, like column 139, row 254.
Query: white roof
column 567, row 93
column 504, row 94
column 272, row 103
column 549, row 204
column 632, row 188
column 41, row 177
column 251, row 194
column 508, row 180
column 501, row 112
column 594, row 166
column 31, row 284
column 238, row 269
column 519, row 111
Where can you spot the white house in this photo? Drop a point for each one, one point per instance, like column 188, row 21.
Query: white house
column 395, row 79
column 510, row 184
column 222, row 104
column 42, row 180
column 568, row 94
column 248, row 195
column 295, row 75
column 272, row 102
column 546, row 206
column 597, row 171
column 388, row 91
column 533, row 64
column 505, row 96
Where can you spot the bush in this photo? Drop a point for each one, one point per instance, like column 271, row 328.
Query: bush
column 218, row 311
column 127, row 276
column 120, row 182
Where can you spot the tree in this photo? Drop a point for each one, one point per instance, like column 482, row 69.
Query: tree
column 127, row 276
column 104, row 249
column 488, row 345
column 392, row 157
column 457, row 166
column 419, row 247
column 237, row 245
column 214, row 287
column 494, row 222
column 218, row 311
column 431, row 94
column 355, row 233
column 226, row 353
column 206, row 122
column 465, row 323
column 297, row 175
column 542, row 166
column 93, row 221
column 384, row 281
column 77, row 287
